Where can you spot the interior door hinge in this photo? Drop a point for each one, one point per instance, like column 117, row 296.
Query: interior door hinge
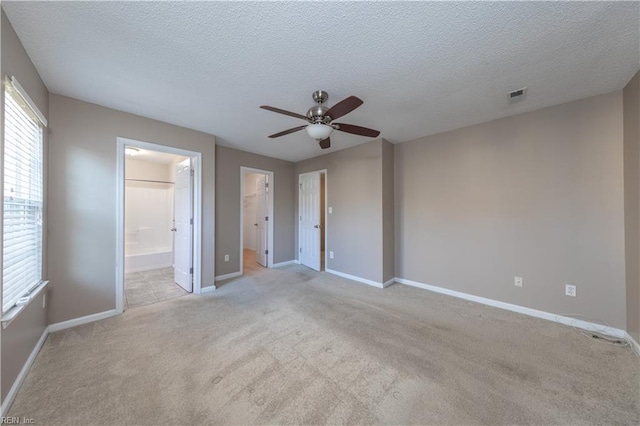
column 191, row 221
column 191, row 172
column 191, row 270
column 266, row 252
column 300, row 249
column 266, row 218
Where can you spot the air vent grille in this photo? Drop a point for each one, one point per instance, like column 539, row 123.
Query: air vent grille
column 517, row 95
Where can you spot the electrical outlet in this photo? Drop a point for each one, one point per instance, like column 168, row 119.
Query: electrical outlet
column 517, row 281
column 331, row 255
column 570, row 290
column 226, row 257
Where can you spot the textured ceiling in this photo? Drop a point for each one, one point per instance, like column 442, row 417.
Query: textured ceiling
column 421, row 68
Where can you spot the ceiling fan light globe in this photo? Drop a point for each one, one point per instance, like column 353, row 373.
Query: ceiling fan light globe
column 319, row 131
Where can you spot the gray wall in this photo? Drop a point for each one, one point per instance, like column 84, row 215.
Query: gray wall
column 354, row 184
column 82, row 200
column 228, row 163
column 537, row 195
column 631, row 96
column 388, row 212
column 21, row 336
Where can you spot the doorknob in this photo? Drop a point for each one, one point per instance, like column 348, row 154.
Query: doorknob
column 317, row 226
column 255, row 224
column 174, row 229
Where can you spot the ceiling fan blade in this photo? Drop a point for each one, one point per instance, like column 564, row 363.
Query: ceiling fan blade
column 357, row 130
column 286, row 132
column 344, row 107
column 325, row 143
column 282, row 111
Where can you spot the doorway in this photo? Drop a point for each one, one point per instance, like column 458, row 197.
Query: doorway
column 256, row 219
column 158, row 222
column 312, row 225
column 158, row 234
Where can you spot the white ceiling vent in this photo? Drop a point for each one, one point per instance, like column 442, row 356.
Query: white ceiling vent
column 517, row 95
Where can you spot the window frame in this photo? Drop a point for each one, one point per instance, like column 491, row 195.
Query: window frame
column 12, row 88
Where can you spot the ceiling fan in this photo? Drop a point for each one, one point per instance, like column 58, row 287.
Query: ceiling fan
column 320, row 118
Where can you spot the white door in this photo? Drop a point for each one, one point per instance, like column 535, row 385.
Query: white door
column 262, row 193
column 183, row 228
column 309, row 210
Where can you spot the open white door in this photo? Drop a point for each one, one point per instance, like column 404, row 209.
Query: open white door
column 183, row 228
column 309, row 208
column 262, row 193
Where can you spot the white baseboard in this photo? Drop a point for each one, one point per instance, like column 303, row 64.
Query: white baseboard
column 82, row 320
column 227, row 276
column 354, row 278
column 8, row 400
column 585, row 325
column 633, row 343
column 388, row 283
column 288, row 262
column 210, row 289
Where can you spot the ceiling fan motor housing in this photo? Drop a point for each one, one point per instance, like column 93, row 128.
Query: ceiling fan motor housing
column 317, row 114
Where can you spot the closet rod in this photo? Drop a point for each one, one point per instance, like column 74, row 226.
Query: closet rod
column 146, row 180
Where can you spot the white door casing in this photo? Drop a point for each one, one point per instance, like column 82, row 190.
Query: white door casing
column 309, row 211
column 262, row 194
column 196, row 166
column 183, row 267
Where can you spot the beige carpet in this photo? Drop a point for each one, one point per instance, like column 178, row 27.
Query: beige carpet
column 292, row 346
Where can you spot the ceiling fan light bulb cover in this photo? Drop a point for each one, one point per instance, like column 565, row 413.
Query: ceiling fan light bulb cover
column 319, row 131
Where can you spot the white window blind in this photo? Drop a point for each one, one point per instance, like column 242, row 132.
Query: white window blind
column 23, row 198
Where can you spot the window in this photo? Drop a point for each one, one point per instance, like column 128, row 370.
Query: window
column 23, row 196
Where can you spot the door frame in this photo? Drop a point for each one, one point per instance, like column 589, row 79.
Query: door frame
column 270, row 175
column 121, row 143
column 175, row 169
column 325, row 234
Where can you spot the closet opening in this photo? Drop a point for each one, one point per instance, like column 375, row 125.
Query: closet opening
column 256, row 241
